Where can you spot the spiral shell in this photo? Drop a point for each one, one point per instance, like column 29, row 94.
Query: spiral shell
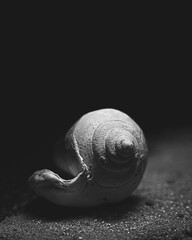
column 105, row 153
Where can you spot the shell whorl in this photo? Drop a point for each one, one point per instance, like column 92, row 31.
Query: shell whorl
column 114, row 145
column 119, row 148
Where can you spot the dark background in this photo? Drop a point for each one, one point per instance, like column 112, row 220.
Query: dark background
column 59, row 63
column 54, row 72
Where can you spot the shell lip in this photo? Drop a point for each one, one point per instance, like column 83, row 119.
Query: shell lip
column 46, row 179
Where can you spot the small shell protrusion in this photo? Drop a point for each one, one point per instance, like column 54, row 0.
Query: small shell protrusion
column 116, row 145
column 119, row 146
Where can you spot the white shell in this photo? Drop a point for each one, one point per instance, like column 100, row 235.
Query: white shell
column 104, row 155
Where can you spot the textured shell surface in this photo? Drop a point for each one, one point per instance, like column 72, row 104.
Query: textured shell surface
column 103, row 158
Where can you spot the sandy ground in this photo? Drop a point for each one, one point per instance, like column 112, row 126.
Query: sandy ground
column 160, row 208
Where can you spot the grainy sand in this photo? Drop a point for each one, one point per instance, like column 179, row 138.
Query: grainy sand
column 160, row 208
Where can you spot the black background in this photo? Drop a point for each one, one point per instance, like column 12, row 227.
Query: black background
column 59, row 63
column 56, row 70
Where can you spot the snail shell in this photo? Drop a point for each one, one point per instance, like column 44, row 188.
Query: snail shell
column 102, row 157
